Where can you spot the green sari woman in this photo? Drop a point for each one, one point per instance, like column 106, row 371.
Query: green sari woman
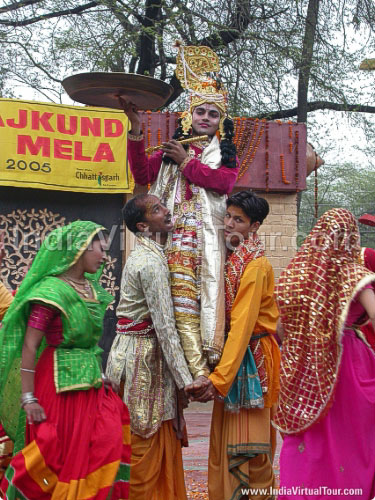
column 72, row 432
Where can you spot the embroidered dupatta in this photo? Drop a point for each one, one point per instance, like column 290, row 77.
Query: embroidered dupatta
column 313, row 295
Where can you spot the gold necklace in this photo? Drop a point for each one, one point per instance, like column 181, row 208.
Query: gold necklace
column 83, row 288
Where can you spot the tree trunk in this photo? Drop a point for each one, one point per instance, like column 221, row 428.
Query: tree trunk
column 305, row 69
column 147, row 54
column 306, row 59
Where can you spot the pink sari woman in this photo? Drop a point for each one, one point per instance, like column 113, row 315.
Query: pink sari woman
column 327, row 397
column 368, row 260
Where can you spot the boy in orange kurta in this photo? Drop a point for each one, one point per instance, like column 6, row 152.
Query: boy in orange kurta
column 247, row 376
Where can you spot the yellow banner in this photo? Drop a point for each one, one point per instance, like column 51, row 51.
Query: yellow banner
column 65, row 148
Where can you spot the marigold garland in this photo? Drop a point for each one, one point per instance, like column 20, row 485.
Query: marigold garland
column 283, row 176
column 241, row 140
column 148, row 128
column 247, row 137
column 253, row 147
column 267, row 158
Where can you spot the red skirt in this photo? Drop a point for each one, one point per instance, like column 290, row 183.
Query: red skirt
column 6, row 449
column 81, row 451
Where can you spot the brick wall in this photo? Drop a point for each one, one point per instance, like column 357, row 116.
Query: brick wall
column 279, row 230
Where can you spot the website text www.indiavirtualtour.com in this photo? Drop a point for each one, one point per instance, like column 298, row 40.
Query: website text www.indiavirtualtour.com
column 322, row 491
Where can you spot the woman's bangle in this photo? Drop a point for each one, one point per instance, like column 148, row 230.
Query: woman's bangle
column 27, row 370
column 28, row 397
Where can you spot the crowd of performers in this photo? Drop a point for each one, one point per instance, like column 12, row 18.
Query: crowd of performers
column 199, row 319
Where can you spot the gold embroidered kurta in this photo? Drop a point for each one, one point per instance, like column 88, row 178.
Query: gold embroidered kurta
column 158, row 359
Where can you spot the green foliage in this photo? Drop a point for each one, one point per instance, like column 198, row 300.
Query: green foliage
column 345, row 186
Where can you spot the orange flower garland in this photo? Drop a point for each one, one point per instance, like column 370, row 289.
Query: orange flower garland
column 248, row 133
column 253, row 148
column 283, row 176
column 241, row 140
column 267, row 158
column 148, row 128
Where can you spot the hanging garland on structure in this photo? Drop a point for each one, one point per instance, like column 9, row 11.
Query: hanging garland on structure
column 248, row 133
column 241, row 140
column 282, row 165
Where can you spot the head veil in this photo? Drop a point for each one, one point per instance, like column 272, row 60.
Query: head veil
column 59, row 251
column 313, row 295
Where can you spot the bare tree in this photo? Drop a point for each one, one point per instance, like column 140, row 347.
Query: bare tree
column 268, row 48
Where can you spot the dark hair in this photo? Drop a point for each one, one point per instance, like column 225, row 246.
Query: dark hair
column 227, row 146
column 255, row 207
column 179, row 133
column 134, row 212
column 103, row 237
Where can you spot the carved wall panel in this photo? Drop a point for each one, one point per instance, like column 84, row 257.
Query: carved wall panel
column 28, row 215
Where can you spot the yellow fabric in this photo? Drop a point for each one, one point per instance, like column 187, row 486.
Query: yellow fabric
column 80, row 489
column 254, row 310
column 75, row 489
column 37, row 468
column 251, row 433
column 5, row 300
column 156, row 471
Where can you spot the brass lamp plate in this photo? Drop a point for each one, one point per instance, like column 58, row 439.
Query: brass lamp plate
column 103, row 89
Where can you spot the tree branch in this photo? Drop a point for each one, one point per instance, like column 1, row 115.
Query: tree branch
column 315, row 106
column 26, row 22
column 18, row 5
column 34, row 62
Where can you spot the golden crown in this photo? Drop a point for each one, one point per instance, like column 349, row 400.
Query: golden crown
column 193, row 65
